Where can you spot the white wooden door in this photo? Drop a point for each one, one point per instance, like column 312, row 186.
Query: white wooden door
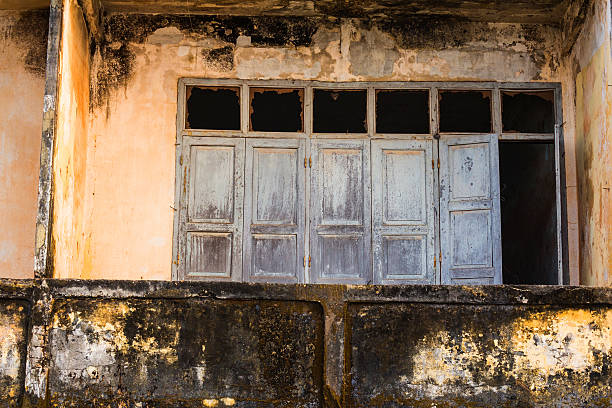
column 274, row 210
column 470, row 224
column 403, row 220
column 340, row 219
column 211, row 214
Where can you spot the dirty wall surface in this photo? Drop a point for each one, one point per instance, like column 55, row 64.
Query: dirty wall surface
column 139, row 58
column 23, row 46
column 163, row 344
column 592, row 66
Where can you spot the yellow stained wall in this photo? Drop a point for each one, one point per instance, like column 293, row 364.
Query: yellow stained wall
column 69, row 167
column 131, row 139
column 594, row 148
column 21, row 102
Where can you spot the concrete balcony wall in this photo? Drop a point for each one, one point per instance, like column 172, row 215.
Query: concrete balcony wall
column 161, row 344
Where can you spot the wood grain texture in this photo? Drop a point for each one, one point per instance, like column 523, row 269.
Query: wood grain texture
column 470, row 223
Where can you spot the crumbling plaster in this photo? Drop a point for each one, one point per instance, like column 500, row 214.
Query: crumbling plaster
column 23, row 44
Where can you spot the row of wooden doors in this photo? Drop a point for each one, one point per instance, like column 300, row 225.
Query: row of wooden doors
column 340, row 211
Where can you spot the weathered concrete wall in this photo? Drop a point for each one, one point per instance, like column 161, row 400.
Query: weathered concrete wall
column 23, row 45
column 485, row 356
column 163, row 344
column 14, row 328
column 195, row 352
column 591, row 71
column 70, row 156
column 139, row 59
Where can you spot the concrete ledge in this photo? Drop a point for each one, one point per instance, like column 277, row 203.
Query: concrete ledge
column 78, row 343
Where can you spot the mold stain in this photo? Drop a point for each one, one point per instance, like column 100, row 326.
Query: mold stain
column 30, row 30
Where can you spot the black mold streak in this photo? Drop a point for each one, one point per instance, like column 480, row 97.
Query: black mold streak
column 121, row 30
column 222, row 58
column 30, row 30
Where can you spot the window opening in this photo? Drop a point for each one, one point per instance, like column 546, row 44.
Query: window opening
column 214, row 108
column 528, row 112
column 465, row 111
column 340, row 111
column 528, row 212
column 276, row 110
column 402, row 111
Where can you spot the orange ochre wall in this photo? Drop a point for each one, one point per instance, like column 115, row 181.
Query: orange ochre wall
column 70, row 155
column 22, row 85
column 594, row 148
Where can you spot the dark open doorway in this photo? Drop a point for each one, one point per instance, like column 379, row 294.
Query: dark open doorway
column 529, row 213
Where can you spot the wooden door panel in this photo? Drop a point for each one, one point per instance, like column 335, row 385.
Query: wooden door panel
column 211, row 197
column 404, row 257
column 274, row 210
column 210, row 215
column 340, row 220
column 209, row 254
column 404, row 186
column 403, row 223
column 342, row 189
column 471, row 238
column 470, row 171
column 274, row 256
column 470, row 224
column 275, row 178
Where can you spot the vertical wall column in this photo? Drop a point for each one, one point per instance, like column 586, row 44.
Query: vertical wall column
column 42, row 264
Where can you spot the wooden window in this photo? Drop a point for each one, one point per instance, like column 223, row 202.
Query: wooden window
column 386, row 183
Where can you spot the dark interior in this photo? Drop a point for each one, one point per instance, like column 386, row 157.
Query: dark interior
column 402, row 111
column 529, row 214
column 276, row 110
column 528, row 112
column 214, row 108
column 339, row 111
column 465, row 111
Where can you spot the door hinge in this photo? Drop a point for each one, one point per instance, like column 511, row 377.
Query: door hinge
column 310, row 161
column 438, row 162
column 305, row 162
column 432, row 164
column 309, row 261
column 181, row 160
column 434, row 261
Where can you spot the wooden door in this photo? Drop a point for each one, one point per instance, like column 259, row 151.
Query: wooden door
column 403, row 207
column 470, row 225
column 340, row 220
column 210, row 224
column 274, row 210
